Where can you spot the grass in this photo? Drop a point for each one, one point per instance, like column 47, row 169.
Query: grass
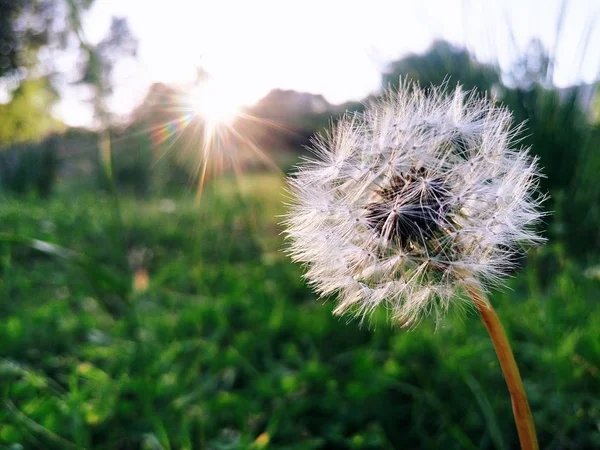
column 227, row 349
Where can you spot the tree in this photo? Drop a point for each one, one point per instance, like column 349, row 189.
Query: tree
column 26, row 26
column 26, row 75
column 25, row 117
column 443, row 62
column 288, row 119
column 559, row 133
column 101, row 59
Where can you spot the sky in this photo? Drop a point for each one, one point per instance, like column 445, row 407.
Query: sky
column 329, row 47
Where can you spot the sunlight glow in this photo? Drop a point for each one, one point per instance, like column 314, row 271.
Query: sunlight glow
column 215, row 102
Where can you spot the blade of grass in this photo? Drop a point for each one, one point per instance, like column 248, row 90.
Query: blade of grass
column 487, row 410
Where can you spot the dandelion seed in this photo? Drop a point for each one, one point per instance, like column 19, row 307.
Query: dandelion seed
column 426, row 183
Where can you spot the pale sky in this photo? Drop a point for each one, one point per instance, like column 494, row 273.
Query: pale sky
column 330, row 47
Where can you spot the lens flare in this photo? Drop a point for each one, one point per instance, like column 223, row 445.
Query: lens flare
column 207, row 128
column 215, row 103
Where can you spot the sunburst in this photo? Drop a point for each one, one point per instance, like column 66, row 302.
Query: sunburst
column 215, row 103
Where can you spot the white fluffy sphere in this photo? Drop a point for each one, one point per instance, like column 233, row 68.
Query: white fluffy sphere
column 406, row 202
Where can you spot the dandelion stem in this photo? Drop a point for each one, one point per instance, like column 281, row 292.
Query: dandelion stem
column 520, row 405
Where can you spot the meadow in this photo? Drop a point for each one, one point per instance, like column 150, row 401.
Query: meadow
column 170, row 324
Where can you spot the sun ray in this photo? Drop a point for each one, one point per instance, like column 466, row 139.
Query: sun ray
column 214, row 102
column 207, row 126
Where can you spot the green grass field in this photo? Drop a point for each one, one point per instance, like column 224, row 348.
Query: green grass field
column 227, row 348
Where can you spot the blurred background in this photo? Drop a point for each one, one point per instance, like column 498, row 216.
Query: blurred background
column 145, row 301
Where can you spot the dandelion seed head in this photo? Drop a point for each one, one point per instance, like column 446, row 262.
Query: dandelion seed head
column 408, row 201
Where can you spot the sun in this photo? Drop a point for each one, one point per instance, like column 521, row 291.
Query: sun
column 215, row 102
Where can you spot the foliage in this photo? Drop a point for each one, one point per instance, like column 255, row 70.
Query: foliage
column 131, row 165
column 226, row 348
column 101, row 61
column 142, row 168
column 28, row 25
column 26, row 73
column 32, row 167
column 25, row 117
column 443, row 62
column 558, row 132
column 288, row 119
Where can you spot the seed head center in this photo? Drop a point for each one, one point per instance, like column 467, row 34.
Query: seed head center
column 410, row 208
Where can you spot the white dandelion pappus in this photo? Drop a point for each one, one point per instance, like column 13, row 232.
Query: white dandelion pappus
column 410, row 200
